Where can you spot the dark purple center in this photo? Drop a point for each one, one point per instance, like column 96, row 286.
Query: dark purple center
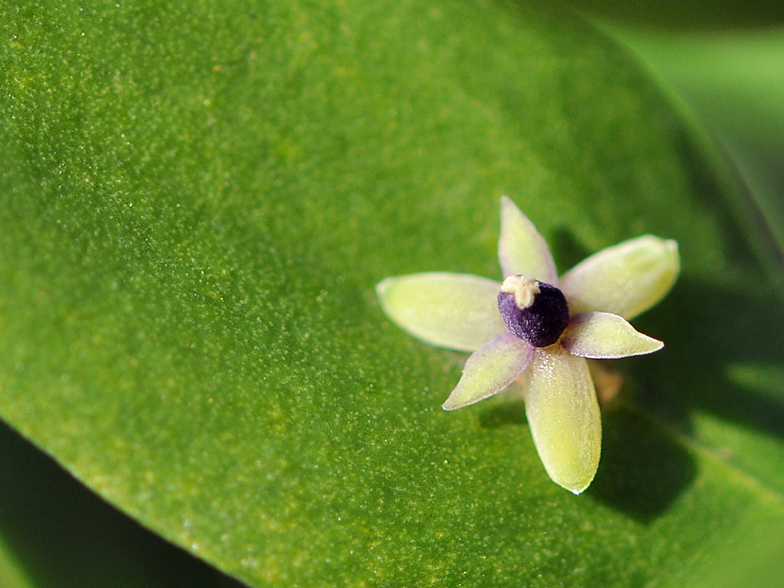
column 541, row 323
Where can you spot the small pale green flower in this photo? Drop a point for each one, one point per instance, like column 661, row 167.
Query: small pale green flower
column 534, row 331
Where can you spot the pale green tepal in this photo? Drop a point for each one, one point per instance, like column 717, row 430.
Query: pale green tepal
column 534, row 331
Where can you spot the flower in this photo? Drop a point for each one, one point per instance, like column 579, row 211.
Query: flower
column 534, row 331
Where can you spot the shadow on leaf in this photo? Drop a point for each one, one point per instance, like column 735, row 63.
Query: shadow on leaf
column 65, row 535
column 708, row 330
column 642, row 469
column 504, row 413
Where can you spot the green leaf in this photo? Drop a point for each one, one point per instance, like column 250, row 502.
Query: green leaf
column 198, row 200
column 733, row 81
column 57, row 533
column 11, row 573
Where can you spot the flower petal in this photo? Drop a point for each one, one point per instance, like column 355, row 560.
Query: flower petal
column 458, row 311
column 626, row 279
column 563, row 413
column 521, row 249
column 601, row 335
column 490, row 369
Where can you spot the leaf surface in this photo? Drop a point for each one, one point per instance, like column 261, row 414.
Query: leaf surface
column 196, row 203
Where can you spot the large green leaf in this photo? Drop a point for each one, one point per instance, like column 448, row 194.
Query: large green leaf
column 197, row 202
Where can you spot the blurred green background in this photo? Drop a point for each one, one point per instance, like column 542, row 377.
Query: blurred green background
column 723, row 62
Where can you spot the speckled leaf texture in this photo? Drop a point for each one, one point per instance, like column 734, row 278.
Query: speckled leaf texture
column 197, row 200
